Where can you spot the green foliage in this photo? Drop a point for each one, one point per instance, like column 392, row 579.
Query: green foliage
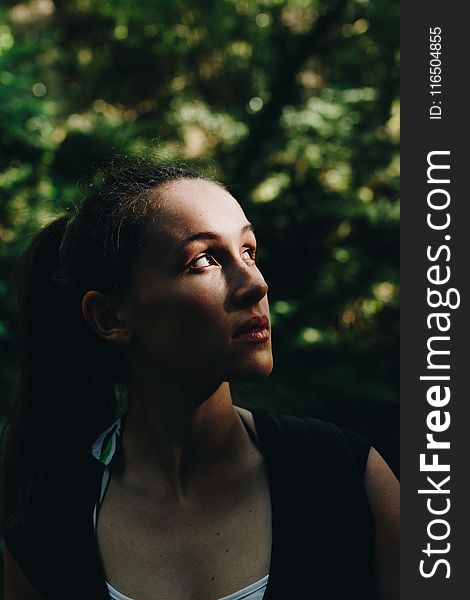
column 294, row 104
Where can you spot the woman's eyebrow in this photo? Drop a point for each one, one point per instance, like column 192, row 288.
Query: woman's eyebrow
column 209, row 235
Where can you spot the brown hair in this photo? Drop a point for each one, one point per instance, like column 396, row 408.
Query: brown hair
column 67, row 391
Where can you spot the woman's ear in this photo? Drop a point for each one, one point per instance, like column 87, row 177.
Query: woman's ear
column 106, row 316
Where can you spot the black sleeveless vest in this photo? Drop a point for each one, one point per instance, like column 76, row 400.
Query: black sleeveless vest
column 323, row 530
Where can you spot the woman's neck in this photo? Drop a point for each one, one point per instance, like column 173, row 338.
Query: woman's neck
column 178, row 435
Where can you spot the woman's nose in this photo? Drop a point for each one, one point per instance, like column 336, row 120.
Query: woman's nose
column 250, row 287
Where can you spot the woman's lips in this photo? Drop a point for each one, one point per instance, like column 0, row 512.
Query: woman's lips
column 255, row 330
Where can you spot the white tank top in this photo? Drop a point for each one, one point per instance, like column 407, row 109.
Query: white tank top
column 103, row 449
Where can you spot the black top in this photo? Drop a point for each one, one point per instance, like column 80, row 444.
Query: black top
column 322, row 527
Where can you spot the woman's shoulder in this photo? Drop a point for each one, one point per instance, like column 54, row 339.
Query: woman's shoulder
column 32, row 542
column 59, row 546
column 310, row 438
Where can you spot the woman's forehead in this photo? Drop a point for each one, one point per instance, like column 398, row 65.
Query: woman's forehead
column 188, row 207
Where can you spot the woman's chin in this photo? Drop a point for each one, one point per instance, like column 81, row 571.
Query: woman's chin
column 255, row 370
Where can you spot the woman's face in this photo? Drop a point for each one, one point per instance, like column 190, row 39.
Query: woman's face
column 196, row 285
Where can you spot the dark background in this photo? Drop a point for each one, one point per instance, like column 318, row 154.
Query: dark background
column 292, row 104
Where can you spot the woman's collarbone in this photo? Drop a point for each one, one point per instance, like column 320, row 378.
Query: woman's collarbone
column 208, row 548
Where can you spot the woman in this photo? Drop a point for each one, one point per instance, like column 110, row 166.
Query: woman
column 153, row 284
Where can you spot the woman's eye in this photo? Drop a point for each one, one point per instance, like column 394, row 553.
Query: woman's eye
column 201, row 262
column 250, row 253
column 207, row 260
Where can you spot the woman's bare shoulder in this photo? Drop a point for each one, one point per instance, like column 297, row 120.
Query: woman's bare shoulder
column 383, row 491
column 17, row 586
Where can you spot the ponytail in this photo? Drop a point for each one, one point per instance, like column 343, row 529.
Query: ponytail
column 55, row 393
column 68, row 376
